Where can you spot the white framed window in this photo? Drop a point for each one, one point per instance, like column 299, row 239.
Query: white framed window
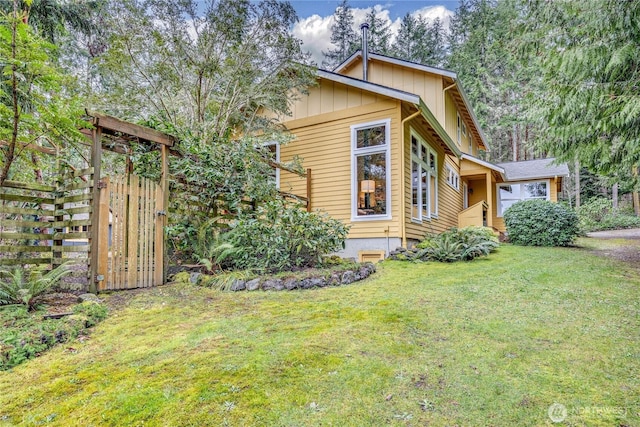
column 470, row 144
column 511, row 193
column 424, row 179
column 453, row 179
column 273, row 153
column 371, row 170
column 464, row 129
column 458, row 129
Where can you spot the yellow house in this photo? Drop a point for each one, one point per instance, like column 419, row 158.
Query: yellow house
column 393, row 148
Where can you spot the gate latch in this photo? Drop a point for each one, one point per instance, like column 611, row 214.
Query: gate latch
column 161, row 213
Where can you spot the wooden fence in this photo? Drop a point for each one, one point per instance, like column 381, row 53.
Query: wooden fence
column 45, row 226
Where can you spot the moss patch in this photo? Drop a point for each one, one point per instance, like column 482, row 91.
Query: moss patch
column 493, row 342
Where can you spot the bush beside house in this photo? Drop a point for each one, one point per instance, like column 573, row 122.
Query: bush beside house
column 541, row 223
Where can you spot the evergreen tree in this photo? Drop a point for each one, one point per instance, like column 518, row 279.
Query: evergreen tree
column 588, row 103
column 379, row 33
column 420, row 41
column 343, row 36
column 495, row 78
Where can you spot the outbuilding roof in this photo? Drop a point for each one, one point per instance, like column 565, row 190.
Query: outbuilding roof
column 534, row 169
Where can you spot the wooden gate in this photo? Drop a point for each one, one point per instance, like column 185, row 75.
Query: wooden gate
column 131, row 235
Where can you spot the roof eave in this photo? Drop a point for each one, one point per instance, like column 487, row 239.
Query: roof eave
column 486, row 164
column 435, row 124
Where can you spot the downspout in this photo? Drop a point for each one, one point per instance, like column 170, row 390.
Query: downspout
column 444, row 97
column 403, row 214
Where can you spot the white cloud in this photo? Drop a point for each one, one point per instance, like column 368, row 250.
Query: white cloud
column 315, row 31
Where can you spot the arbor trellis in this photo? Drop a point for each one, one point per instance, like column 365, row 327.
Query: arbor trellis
column 111, row 230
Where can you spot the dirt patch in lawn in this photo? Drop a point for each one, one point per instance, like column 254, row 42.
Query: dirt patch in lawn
column 622, row 245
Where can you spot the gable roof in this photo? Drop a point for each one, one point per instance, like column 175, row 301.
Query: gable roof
column 534, row 169
column 400, row 95
column 451, row 77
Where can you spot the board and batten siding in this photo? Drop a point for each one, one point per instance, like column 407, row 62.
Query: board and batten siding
column 428, row 86
column 449, row 199
column 323, row 141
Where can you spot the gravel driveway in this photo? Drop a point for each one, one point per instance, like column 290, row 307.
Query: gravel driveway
column 631, row 233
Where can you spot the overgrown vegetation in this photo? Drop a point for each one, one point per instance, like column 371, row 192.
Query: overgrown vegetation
column 455, row 244
column 281, row 237
column 541, row 223
column 18, row 286
column 598, row 214
column 494, row 343
column 25, row 335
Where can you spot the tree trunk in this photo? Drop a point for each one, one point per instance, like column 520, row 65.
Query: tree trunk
column 514, row 141
column 9, row 155
column 614, row 197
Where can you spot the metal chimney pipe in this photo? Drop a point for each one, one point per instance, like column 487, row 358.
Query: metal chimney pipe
column 365, row 51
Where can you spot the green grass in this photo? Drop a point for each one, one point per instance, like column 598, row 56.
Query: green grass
column 491, row 342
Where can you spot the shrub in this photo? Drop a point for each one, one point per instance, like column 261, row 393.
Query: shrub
column 541, row 223
column 21, row 288
column 456, row 244
column 598, row 214
column 280, row 237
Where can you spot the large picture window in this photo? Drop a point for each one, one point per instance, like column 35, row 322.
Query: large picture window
column 370, row 147
column 424, row 179
column 509, row 193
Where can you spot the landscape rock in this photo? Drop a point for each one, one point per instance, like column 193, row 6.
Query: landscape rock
column 194, row 278
column 238, row 285
column 348, row 277
column 253, row 285
column 273, row 285
column 291, row 283
column 89, row 297
column 318, row 282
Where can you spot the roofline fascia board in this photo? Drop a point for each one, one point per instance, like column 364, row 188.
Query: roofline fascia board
column 431, row 119
column 396, row 61
column 463, row 95
column 486, row 164
column 371, row 87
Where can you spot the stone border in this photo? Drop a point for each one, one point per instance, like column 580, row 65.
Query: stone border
column 336, row 278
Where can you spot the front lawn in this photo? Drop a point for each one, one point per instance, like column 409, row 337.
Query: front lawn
column 491, row 342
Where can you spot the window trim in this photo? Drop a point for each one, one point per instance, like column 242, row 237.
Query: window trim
column 458, row 130
column 451, row 171
column 377, row 149
column 267, row 144
column 499, row 212
column 431, row 213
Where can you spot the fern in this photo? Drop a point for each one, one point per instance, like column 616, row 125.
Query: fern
column 16, row 289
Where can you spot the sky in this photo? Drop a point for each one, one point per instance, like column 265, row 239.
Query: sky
column 316, row 17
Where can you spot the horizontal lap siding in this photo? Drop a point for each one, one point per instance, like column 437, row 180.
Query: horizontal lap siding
column 323, row 142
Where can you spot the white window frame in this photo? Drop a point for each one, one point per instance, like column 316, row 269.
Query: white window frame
column 267, row 144
column 377, row 149
column 470, row 144
column 499, row 199
column 423, row 164
column 464, row 129
column 453, row 178
column 458, row 129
